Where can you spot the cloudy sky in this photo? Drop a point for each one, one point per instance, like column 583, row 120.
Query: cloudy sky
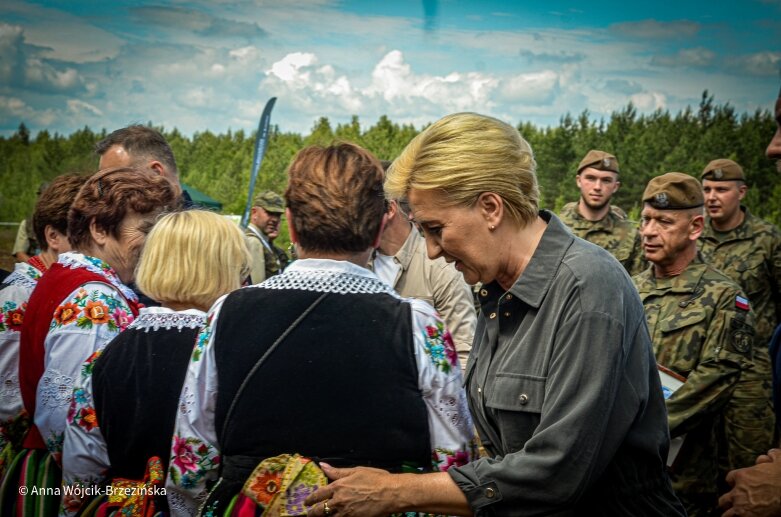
column 212, row 64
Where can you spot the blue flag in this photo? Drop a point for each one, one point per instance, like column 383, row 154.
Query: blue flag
column 261, row 141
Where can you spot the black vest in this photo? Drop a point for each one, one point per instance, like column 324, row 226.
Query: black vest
column 136, row 384
column 342, row 387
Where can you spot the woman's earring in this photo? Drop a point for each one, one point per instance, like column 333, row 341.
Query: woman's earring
column 492, row 227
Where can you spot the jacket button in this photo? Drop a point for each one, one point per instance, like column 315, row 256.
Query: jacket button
column 506, row 314
column 492, row 315
column 508, row 297
column 523, row 399
column 490, row 493
column 483, row 292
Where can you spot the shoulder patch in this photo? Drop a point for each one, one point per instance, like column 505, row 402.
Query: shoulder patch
column 741, row 336
column 741, row 303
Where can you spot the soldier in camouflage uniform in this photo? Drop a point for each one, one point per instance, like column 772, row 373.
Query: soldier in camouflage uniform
column 594, row 219
column 267, row 260
column 702, row 328
column 748, row 250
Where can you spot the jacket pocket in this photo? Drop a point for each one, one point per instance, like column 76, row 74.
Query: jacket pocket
column 516, row 401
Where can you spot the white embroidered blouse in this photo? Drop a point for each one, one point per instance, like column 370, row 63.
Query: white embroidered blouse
column 195, row 455
column 84, row 322
column 85, row 459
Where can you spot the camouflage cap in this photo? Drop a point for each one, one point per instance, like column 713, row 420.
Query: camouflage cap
column 723, row 170
column 270, row 202
column 673, row 191
column 599, row 160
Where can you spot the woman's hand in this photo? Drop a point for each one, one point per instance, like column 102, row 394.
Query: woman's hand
column 359, row 491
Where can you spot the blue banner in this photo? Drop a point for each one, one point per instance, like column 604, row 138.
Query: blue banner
column 261, row 141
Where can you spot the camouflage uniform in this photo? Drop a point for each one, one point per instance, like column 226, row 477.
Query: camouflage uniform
column 615, row 233
column 274, row 259
column 700, row 330
column 751, row 256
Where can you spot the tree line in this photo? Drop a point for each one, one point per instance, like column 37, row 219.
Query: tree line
column 646, row 145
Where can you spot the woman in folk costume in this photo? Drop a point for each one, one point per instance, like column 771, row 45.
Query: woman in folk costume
column 124, row 404
column 83, row 301
column 50, row 221
column 324, row 360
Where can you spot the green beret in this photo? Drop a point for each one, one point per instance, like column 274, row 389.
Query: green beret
column 673, row 191
column 599, row 160
column 270, row 201
column 722, row 170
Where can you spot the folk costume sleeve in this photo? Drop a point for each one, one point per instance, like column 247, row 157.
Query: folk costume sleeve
column 85, row 461
column 450, row 424
column 195, row 455
column 89, row 318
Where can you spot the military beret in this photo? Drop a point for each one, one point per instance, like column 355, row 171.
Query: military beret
column 673, row 191
column 270, row 201
column 722, row 170
column 599, row 160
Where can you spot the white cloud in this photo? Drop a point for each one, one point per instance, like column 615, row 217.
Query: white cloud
column 688, row 57
column 649, row 101
column 759, row 64
column 22, row 66
column 531, row 88
column 76, row 106
column 654, row 29
column 14, row 109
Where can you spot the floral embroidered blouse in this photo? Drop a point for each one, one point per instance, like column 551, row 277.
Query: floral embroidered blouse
column 195, row 455
column 14, row 293
column 83, row 323
column 85, row 458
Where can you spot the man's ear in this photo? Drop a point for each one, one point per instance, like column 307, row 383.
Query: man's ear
column 158, row 168
column 376, row 243
column 696, row 226
column 742, row 189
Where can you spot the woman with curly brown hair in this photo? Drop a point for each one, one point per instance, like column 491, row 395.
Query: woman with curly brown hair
column 83, row 300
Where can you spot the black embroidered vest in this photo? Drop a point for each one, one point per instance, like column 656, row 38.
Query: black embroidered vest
column 342, row 387
column 136, row 384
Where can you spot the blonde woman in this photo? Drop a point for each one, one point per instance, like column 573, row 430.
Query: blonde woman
column 561, row 379
column 124, row 406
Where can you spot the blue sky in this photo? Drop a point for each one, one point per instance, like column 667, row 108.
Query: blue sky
column 212, row 64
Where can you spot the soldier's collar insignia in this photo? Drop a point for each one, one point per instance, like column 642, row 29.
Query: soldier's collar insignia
column 718, row 174
column 661, row 200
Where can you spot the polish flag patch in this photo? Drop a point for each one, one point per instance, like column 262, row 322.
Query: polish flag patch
column 741, row 303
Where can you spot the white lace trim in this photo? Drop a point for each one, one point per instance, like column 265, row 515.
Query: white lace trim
column 168, row 320
column 9, row 388
column 74, row 260
column 55, row 389
column 327, row 282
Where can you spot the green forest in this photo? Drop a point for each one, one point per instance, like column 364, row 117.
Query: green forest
column 219, row 164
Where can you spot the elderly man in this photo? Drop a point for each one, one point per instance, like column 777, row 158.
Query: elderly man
column 401, row 262
column 594, row 219
column 701, row 328
column 267, row 260
column 756, row 491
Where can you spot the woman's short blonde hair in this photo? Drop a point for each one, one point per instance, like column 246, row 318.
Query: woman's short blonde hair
column 464, row 155
column 192, row 257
